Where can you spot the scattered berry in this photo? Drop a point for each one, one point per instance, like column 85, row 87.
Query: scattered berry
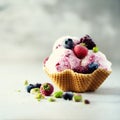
column 68, row 96
column 88, row 42
column 77, row 98
column 80, row 51
column 86, row 101
column 68, row 43
column 29, row 87
column 46, row 89
column 92, row 66
column 58, row 94
column 37, row 85
column 95, row 49
column 51, row 99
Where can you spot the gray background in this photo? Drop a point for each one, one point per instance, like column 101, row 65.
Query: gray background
column 28, row 28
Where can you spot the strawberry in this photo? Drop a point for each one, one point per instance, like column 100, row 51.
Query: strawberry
column 46, row 89
column 80, row 51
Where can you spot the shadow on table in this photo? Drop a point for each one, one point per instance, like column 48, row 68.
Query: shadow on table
column 108, row 91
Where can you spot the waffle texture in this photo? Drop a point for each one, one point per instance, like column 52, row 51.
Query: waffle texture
column 69, row 80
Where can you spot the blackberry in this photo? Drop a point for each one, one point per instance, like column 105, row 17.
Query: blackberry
column 88, row 42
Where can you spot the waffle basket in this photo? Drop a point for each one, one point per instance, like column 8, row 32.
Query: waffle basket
column 69, row 80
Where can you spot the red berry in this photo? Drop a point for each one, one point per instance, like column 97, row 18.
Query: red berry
column 80, row 51
column 46, row 89
column 44, row 62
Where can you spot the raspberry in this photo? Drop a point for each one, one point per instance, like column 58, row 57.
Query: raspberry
column 80, row 51
column 88, row 42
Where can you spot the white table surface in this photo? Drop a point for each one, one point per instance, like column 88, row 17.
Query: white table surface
column 105, row 102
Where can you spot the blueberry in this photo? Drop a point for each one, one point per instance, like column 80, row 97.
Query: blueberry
column 29, row 87
column 37, row 85
column 68, row 43
column 92, row 66
column 67, row 96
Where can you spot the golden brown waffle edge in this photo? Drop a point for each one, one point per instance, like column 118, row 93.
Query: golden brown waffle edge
column 68, row 80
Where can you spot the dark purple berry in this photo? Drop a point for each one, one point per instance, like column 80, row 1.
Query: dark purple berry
column 68, row 43
column 92, row 66
column 86, row 101
column 81, row 69
column 68, row 96
column 88, row 42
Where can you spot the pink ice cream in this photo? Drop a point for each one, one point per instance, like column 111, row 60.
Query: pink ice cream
column 62, row 58
column 99, row 58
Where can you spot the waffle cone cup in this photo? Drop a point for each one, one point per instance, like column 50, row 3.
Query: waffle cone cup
column 69, row 80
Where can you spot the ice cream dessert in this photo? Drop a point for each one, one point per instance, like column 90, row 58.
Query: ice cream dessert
column 76, row 64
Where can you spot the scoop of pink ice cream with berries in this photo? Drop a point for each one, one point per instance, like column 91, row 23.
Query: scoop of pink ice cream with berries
column 78, row 54
column 62, row 59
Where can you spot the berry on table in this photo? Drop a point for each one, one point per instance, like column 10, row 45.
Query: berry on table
column 46, row 89
column 86, row 101
column 68, row 43
column 29, row 87
column 37, row 85
column 68, row 96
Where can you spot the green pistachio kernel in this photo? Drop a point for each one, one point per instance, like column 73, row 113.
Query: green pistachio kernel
column 58, row 94
column 38, row 100
column 83, row 44
column 18, row 90
column 51, row 99
column 39, row 96
column 77, row 98
column 26, row 82
column 35, row 90
column 95, row 49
